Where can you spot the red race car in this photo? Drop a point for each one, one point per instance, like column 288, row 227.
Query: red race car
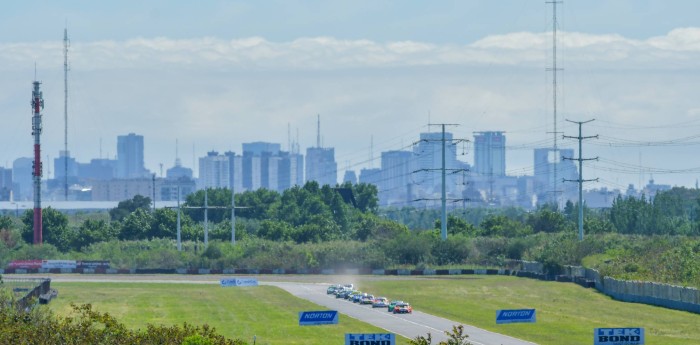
column 403, row 308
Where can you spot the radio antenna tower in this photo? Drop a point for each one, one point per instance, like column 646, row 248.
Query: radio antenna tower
column 554, row 70
column 66, row 43
column 318, row 130
column 37, row 105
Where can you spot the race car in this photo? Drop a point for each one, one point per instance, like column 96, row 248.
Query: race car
column 367, row 299
column 380, row 302
column 403, row 308
column 391, row 306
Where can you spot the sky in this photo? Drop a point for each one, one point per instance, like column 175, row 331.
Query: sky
column 215, row 74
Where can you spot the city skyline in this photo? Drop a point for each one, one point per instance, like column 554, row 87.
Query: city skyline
column 215, row 84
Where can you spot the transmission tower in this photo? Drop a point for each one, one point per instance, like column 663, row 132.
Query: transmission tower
column 580, row 179
column 443, row 170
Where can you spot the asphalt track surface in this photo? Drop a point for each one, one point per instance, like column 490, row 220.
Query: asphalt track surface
column 406, row 325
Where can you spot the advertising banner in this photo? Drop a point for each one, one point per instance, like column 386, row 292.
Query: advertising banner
column 226, row 282
column 618, row 336
column 370, row 339
column 25, row 264
column 516, row 315
column 324, row 317
column 93, row 264
column 58, row 264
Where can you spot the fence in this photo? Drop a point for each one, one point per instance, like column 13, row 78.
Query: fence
column 27, row 290
column 664, row 295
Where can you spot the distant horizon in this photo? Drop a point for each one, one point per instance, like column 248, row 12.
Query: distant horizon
column 214, row 75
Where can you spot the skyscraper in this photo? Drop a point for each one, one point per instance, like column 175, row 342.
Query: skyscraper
column 490, row 154
column 260, row 165
column 5, row 183
column 214, row 171
column 22, row 178
column 321, row 166
column 428, row 156
column 130, row 162
column 546, row 160
column 396, row 175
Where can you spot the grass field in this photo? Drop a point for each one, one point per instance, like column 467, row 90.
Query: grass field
column 267, row 312
column 566, row 313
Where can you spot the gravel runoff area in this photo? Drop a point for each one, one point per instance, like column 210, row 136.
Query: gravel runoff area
column 313, row 288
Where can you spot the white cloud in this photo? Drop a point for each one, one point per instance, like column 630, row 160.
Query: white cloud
column 219, row 93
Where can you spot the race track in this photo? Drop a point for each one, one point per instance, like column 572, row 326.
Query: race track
column 406, row 325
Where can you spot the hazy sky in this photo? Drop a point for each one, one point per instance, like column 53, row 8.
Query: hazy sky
column 215, row 74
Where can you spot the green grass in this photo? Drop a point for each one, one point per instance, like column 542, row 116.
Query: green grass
column 566, row 313
column 267, row 312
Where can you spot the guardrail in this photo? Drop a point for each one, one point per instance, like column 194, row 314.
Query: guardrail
column 663, row 295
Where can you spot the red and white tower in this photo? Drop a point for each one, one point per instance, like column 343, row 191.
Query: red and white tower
column 37, row 105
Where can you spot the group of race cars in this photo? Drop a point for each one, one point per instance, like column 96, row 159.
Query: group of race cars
column 349, row 293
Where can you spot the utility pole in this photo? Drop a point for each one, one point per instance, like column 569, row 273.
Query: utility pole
column 233, row 211
column 153, row 184
column 179, row 237
column 443, row 170
column 580, row 179
column 206, row 218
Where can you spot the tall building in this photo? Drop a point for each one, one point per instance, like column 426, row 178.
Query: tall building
column 321, row 166
column 214, row 171
column 98, row 169
column 59, row 167
column 261, row 165
column 178, row 171
column 22, row 179
column 264, row 165
column 350, row 176
column 490, row 154
column 235, row 168
column 5, row 184
column 546, row 161
column 428, row 157
column 371, row 176
column 397, row 167
column 130, row 163
column 125, row 189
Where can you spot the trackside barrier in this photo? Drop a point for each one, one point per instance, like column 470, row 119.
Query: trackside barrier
column 658, row 294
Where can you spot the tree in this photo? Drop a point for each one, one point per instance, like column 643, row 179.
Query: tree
column 216, row 197
column 546, row 220
column 164, row 224
column 6, row 223
column 55, row 228
column 126, row 207
column 505, row 227
column 366, row 197
column 456, row 225
column 136, row 226
column 256, row 203
column 93, row 231
column 275, row 230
